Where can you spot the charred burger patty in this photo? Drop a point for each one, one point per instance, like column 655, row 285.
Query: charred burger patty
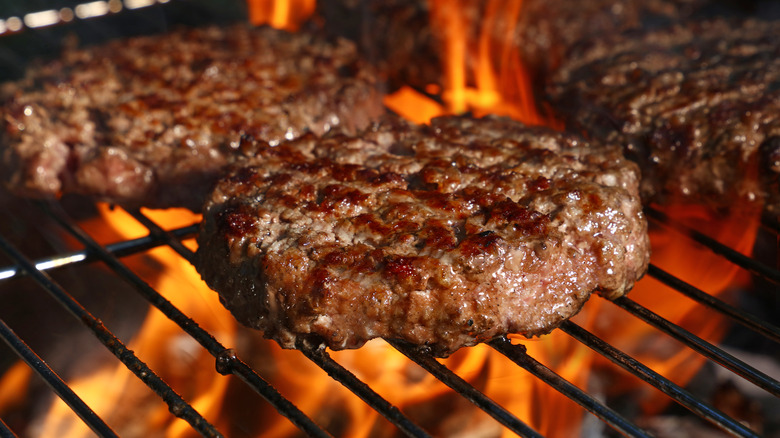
column 443, row 235
column 152, row 121
column 697, row 105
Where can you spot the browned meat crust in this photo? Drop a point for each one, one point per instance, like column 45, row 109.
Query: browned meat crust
column 394, row 35
column 549, row 29
column 697, row 105
column 152, row 120
column 444, row 235
column 398, row 37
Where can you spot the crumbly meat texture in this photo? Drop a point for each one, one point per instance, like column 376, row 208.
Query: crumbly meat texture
column 697, row 105
column 444, row 235
column 152, row 121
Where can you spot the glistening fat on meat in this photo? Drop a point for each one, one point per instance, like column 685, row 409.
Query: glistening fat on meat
column 152, row 120
column 443, row 235
column 696, row 104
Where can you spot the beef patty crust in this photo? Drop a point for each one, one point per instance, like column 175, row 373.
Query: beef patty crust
column 151, row 121
column 697, row 105
column 444, row 235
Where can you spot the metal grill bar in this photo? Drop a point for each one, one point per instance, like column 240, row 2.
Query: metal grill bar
column 228, row 363
column 318, row 356
column 446, row 376
column 54, row 381
column 164, row 236
column 739, row 259
column 119, row 249
column 234, row 365
column 518, row 355
column 349, row 380
column 668, row 387
column 759, row 326
column 5, row 431
column 701, row 346
column 176, row 404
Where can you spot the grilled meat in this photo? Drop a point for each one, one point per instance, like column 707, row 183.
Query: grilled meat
column 151, row 121
column 697, row 105
column 548, row 30
column 398, row 36
column 443, row 235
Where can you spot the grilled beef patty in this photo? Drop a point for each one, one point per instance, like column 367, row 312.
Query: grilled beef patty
column 397, row 35
column 697, row 105
column 151, row 121
column 443, row 235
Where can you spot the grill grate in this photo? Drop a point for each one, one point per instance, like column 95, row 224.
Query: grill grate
column 33, row 42
column 229, row 363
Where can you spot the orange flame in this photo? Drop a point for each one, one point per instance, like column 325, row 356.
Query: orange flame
column 696, row 265
column 189, row 369
column 281, row 14
column 169, row 351
column 484, row 73
column 482, row 65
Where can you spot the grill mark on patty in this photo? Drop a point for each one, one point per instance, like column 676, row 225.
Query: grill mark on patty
column 176, row 110
column 414, row 246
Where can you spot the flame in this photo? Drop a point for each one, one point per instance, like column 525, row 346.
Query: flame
column 484, row 73
column 13, row 386
column 190, row 370
column 160, row 343
column 413, row 105
column 281, row 14
column 482, row 65
column 696, row 265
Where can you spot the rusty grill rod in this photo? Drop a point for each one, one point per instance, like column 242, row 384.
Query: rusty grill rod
column 176, row 404
column 119, row 249
column 6, row 431
column 161, row 235
column 449, row 378
column 231, row 365
column 321, row 357
column 55, row 382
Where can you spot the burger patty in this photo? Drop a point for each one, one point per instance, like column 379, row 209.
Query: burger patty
column 410, row 50
column 697, row 105
column 443, row 235
column 549, row 29
column 152, row 121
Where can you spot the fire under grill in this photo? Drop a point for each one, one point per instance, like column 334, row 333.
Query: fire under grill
column 227, row 362
column 64, row 227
